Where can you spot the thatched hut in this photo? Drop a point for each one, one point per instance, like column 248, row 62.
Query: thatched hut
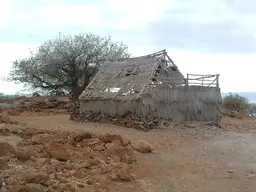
column 147, row 87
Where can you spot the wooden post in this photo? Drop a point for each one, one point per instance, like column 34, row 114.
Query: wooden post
column 202, row 80
column 187, row 80
column 217, row 80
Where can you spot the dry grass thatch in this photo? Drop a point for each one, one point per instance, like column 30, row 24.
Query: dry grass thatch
column 129, row 79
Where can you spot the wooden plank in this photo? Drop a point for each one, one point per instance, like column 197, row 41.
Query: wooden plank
column 212, row 83
column 202, row 75
column 177, row 78
column 170, row 78
column 148, row 82
column 217, row 80
column 198, row 83
column 209, row 80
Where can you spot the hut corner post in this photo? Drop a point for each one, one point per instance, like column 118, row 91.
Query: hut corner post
column 187, row 79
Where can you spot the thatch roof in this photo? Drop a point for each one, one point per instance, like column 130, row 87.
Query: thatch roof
column 126, row 79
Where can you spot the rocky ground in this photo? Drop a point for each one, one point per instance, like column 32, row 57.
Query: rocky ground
column 42, row 150
column 37, row 104
column 42, row 160
column 191, row 158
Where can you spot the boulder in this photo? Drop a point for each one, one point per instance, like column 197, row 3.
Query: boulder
column 112, row 145
column 97, row 179
column 6, row 149
column 79, row 166
column 125, row 175
column 121, row 154
column 108, row 138
column 4, row 130
column 3, row 164
column 22, row 155
column 28, row 133
column 60, row 155
column 56, row 151
column 141, row 146
column 125, row 142
column 14, row 179
column 42, row 138
column 81, row 136
column 79, row 174
column 30, row 187
column 37, row 177
column 4, row 117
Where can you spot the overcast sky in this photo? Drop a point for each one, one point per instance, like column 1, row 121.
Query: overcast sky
column 201, row 36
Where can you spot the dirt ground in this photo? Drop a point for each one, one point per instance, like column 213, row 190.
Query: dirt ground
column 189, row 159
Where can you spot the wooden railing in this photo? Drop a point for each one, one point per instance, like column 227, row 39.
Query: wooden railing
column 202, row 80
column 191, row 80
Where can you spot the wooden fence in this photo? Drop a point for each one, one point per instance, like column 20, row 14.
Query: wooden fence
column 202, row 80
column 191, row 80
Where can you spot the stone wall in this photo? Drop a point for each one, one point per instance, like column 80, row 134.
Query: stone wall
column 127, row 120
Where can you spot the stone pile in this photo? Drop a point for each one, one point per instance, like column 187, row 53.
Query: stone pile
column 75, row 111
column 47, row 161
column 39, row 104
column 128, row 120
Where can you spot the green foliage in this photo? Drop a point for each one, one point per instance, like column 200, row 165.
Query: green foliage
column 66, row 62
column 236, row 102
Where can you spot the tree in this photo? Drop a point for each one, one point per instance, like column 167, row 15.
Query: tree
column 66, row 62
column 236, row 102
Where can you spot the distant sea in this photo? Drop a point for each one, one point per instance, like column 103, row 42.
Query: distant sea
column 251, row 96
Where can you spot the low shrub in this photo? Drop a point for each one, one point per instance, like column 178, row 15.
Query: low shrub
column 236, row 102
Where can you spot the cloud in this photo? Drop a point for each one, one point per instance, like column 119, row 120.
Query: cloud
column 5, row 14
column 216, row 37
column 9, row 53
column 201, row 36
column 243, row 6
column 41, row 20
column 190, row 24
column 12, row 51
column 132, row 14
column 196, row 25
column 71, row 15
column 123, row 20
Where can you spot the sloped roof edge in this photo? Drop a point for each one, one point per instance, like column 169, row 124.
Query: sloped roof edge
column 152, row 55
column 162, row 52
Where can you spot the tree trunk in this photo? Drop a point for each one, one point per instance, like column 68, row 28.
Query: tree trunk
column 76, row 90
column 75, row 93
column 86, row 82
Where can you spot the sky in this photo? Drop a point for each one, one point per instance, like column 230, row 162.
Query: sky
column 201, row 36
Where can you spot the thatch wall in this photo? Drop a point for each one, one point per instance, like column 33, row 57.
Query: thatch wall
column 179, row 104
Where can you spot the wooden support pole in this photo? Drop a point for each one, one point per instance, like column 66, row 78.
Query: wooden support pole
column 217, row 80
column 187, row 83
